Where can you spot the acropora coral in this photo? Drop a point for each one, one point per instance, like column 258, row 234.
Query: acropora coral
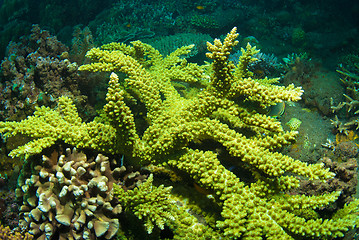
column 179, row 133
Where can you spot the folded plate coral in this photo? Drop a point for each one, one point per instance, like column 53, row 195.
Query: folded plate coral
column 149, row 121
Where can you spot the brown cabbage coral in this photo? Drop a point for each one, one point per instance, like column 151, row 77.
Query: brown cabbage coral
column 177, row 127
column 69, row 196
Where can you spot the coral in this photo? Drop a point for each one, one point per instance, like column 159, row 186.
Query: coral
column 7, row 166
column 69, row 195
column 129, row 20
column 148, row 202
column 298, row 36
column 342, row 128
column 266, row 65
column 6, row 233
column 81, row 42
column 204, row 22
column 345, row 181
column 158, row 206
column 168, row 44
column 34, row 74
column 176, row 130
column 114, row 31
column 47, row 125
column 345, row 150
column 319, row 85
column 349, row 78
column 9, row 209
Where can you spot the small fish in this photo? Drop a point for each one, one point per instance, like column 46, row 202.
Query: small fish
column 307, row 110
column 201, row 189
column 200, row 7
column 259, row 73
column 128, row 25
column 277, row 110
column 294, row 124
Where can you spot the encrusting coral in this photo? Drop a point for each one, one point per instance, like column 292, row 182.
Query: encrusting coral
column 176, row 128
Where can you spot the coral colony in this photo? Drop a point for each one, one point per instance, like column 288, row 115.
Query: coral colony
column 176, row 152
column 188, row 119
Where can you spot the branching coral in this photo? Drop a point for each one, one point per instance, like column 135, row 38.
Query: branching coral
column 47, row 126
column 350, row 80
column 158, row 207
column 148, row 202
column 34, row 74
column 176, row 128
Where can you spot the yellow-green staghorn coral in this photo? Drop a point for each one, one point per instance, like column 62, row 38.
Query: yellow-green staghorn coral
column 249, row 213
column 148, row 202
column 47, row 126
column 180, row 133
column 157, row 207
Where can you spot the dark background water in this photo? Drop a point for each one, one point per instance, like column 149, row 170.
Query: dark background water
column 326, row 29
